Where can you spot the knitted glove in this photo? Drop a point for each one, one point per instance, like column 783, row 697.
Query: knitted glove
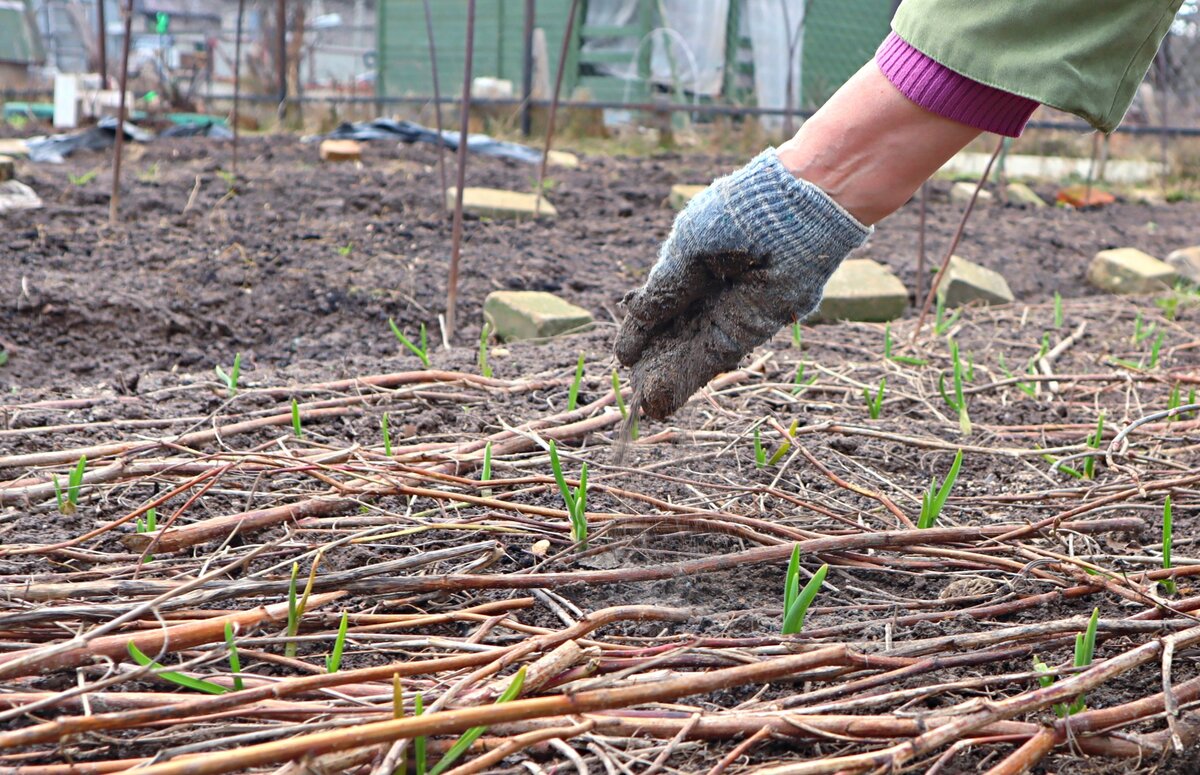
column 747, row 256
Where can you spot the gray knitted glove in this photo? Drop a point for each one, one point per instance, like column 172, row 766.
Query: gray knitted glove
column 746, row 257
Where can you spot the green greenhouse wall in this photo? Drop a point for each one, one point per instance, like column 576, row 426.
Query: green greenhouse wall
column 838, row 38
column 499, row 43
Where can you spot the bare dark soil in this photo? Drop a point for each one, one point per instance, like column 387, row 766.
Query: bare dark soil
column 300, row 272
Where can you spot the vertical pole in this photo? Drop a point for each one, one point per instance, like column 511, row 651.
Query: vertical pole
column 114, row 201
column 558, row 77
column 527, row 71
column 237, row 84
column 464, row 127
column 281, row 52
column 102, row 40
column 437, row 104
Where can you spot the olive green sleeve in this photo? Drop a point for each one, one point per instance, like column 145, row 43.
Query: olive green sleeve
column 1086, row 57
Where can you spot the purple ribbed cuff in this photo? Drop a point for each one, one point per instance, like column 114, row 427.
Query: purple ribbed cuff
column 940, row 90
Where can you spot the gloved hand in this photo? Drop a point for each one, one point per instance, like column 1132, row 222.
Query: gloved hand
column 747, row 256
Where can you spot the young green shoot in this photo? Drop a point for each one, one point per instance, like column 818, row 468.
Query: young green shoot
column 616, row 386
column 230, row 379
column 959, row 402
column 875, row 403
column 179, row 679
column 1174, row 401
column 1028, row 388
column 760, row 454
column 1058, row 310
column 485, row 474
column 1155, row 349
column 421, row 351
column 59, row 497
column 1085, row 651
column 345, row 250
column 942, row 323
column 386, row 430
column 419, row 758
column 797, row 334
column 573, row 392
column 1141, row 331
column 575, row 499
column 484, row 368
column 293, row 617
column 235, row 661
column 334, row 660
column 148, row 524
column 786, row 446
column 84, row 179
column 468, row 738
column 935, row 497
column 1093, row 442
column 1168, row 529
column 68, row 502
column 887, row 351
column 799, row 382
column 796, row 600
column 296, row 427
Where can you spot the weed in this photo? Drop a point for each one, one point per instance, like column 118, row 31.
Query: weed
column 468, row 738
column 179, row 679
column 760, row 454
column 1093, row 442
column 1058, row 310
column 484, row 368
column 799, row 383
column 235, row 661
column 422, row 351
column 294, row 613
column 616, row 386
column 385, row 428
column 797, row 334
column 345, row 250
column 573, row 393
column 575, row 500
column 84, row 179
column 887, row 351
column 875, row 404
column 942, row 323
column 1154, row 351
column 485, row 475
column 1168, row 530
column 334, row 660
column 959, row 403
column 1141, row 331
column 786, row 446
column 1028, row 388
column 795, row 600
column 935, row 497
column 296, row 427
column 148, row 525
column 230, row 380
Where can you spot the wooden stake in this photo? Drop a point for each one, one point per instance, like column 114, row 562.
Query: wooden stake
column 464, row 126
column 114, row 202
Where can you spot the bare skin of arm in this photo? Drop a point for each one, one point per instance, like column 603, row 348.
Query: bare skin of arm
column 870, row 148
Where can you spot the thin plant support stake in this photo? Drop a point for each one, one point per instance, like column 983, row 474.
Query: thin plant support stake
column 237, row 84
column 437, row 103
column 558, row 77
column 114, row 202
column 464, row 126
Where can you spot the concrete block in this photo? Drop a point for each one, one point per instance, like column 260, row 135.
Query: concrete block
column 14, row 147
column 1186, row 262
column 960, row 194
column 496, row 203
column 564, row 159
column 965, row 282
column 1023, row 196
column 682, row 193
column 862, row 289
column 8, row 168
column 532, row 315
column 1129, row 270
column 341, row 150
column 15, row 195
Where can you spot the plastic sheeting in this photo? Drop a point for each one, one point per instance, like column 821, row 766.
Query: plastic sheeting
column 769, row 29
column 408, row 132
column 55, row 148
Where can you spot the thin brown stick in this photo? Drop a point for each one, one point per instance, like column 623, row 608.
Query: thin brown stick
column 114, row 202
column 568, row 32
column 464, row 126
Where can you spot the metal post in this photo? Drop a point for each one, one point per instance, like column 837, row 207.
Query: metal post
column 102, row 40
column 281, row 52
column 114, row 201
column 464, row 127
column 437, row 103
column 237, row 83
column 527, row 71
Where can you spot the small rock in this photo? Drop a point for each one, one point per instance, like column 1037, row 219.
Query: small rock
column 13, row 147
column 516, row 315
column 341, row 150
column 1129, row 270
column 965, row 282
column 8, row 168
column 15, row 195
column 1186, row 261
column 682, row 193
column 497, row 203
column 1023, row 196
column 1081, row 196
column 563, row 159
column 862, row 289
column 960, row 194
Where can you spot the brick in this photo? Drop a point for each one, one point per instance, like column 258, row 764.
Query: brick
column 682, row 193
column 1081, row 196
column 15, row 195
column 862, row 289
column 8, row 168
column 532, row 315
column 960, row 194
column 965, row 282
column 341, row 150
column 1186, row 262
column 1129, row 270
column 496, row 203
column 1023, row 196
